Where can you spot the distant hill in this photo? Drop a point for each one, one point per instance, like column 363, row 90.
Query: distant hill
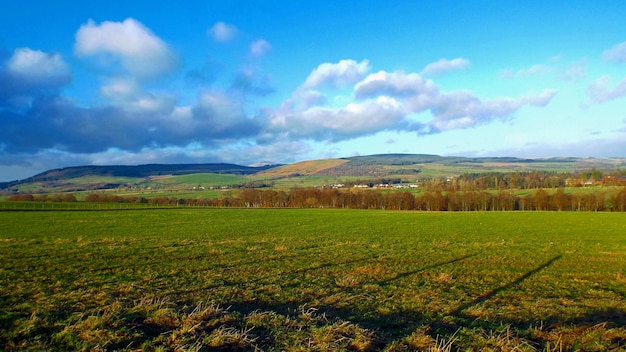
column 309, row 167
column 408, row 167
column 138, row 171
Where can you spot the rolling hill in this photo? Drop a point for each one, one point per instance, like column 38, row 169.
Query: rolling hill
column 106, row 173
column 408, row 167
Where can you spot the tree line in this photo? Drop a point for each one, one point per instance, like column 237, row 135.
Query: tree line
column 522, row 180
column 605, row 199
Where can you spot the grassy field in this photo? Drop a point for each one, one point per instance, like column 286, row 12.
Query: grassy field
column 205, row 180
column 291, row 279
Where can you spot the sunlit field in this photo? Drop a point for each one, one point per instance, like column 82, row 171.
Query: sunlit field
column 312, row 279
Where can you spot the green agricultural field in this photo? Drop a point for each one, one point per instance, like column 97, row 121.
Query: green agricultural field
column 202, row 179
column 296, row 279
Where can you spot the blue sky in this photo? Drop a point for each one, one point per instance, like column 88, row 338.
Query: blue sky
column 135, row 82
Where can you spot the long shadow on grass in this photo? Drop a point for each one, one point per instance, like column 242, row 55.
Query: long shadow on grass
column 399, row 324
column 428, row 267
column 280, row 275
column 388, row 327
column 490, row 294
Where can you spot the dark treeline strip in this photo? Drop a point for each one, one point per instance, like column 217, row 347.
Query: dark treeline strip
column 56, row 198
column 525, row 180
column 609, row 199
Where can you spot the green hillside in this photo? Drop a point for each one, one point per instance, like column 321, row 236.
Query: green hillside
column 186, row 177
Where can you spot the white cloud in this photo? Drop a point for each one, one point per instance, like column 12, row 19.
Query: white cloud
column 457, row 110
column 444, row 65
column 327, row 123
column 139, row 50
column 389, row 101
column 36, row 65
column 340, row 74
column 260, row 47
column 28, row 75
column 222, row 32
column 121, row 90
column 600, row 91
column 397, row 84
column 129, row 96
column 616, row 53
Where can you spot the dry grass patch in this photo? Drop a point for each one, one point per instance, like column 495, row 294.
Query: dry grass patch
column 280, row 248
column 309, row 167
column 443, row 278
column 372, row 271
column 347, row 281
column 340, row 336
column 598, row 337
column 231, row 338
column 420, row 340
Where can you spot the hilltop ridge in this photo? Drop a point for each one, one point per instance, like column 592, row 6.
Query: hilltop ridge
column 404, row 166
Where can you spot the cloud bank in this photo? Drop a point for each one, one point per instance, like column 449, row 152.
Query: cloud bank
column 387, row 101
column 135, row 122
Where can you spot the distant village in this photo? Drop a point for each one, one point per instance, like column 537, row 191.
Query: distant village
column 606, row 180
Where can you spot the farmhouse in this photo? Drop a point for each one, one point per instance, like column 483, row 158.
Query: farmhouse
column 615, row 180
column 607, row 180
column 580, row 182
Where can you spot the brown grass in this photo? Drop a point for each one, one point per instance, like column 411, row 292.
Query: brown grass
column 310, row 167
column 372, row 271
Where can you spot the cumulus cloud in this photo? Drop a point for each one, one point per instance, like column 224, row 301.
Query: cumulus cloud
column 385, row 101
column 132, row 120
column 222, row 32
column 335, row 102
column 334, row 124
column 29, row 73
column 457, row 110
column 129, row 43
column 617, row 53
column 600, row 90
column 37, row 66
column 260, row 47
column 340, row 74
column 398, row 84
column 444, row 65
